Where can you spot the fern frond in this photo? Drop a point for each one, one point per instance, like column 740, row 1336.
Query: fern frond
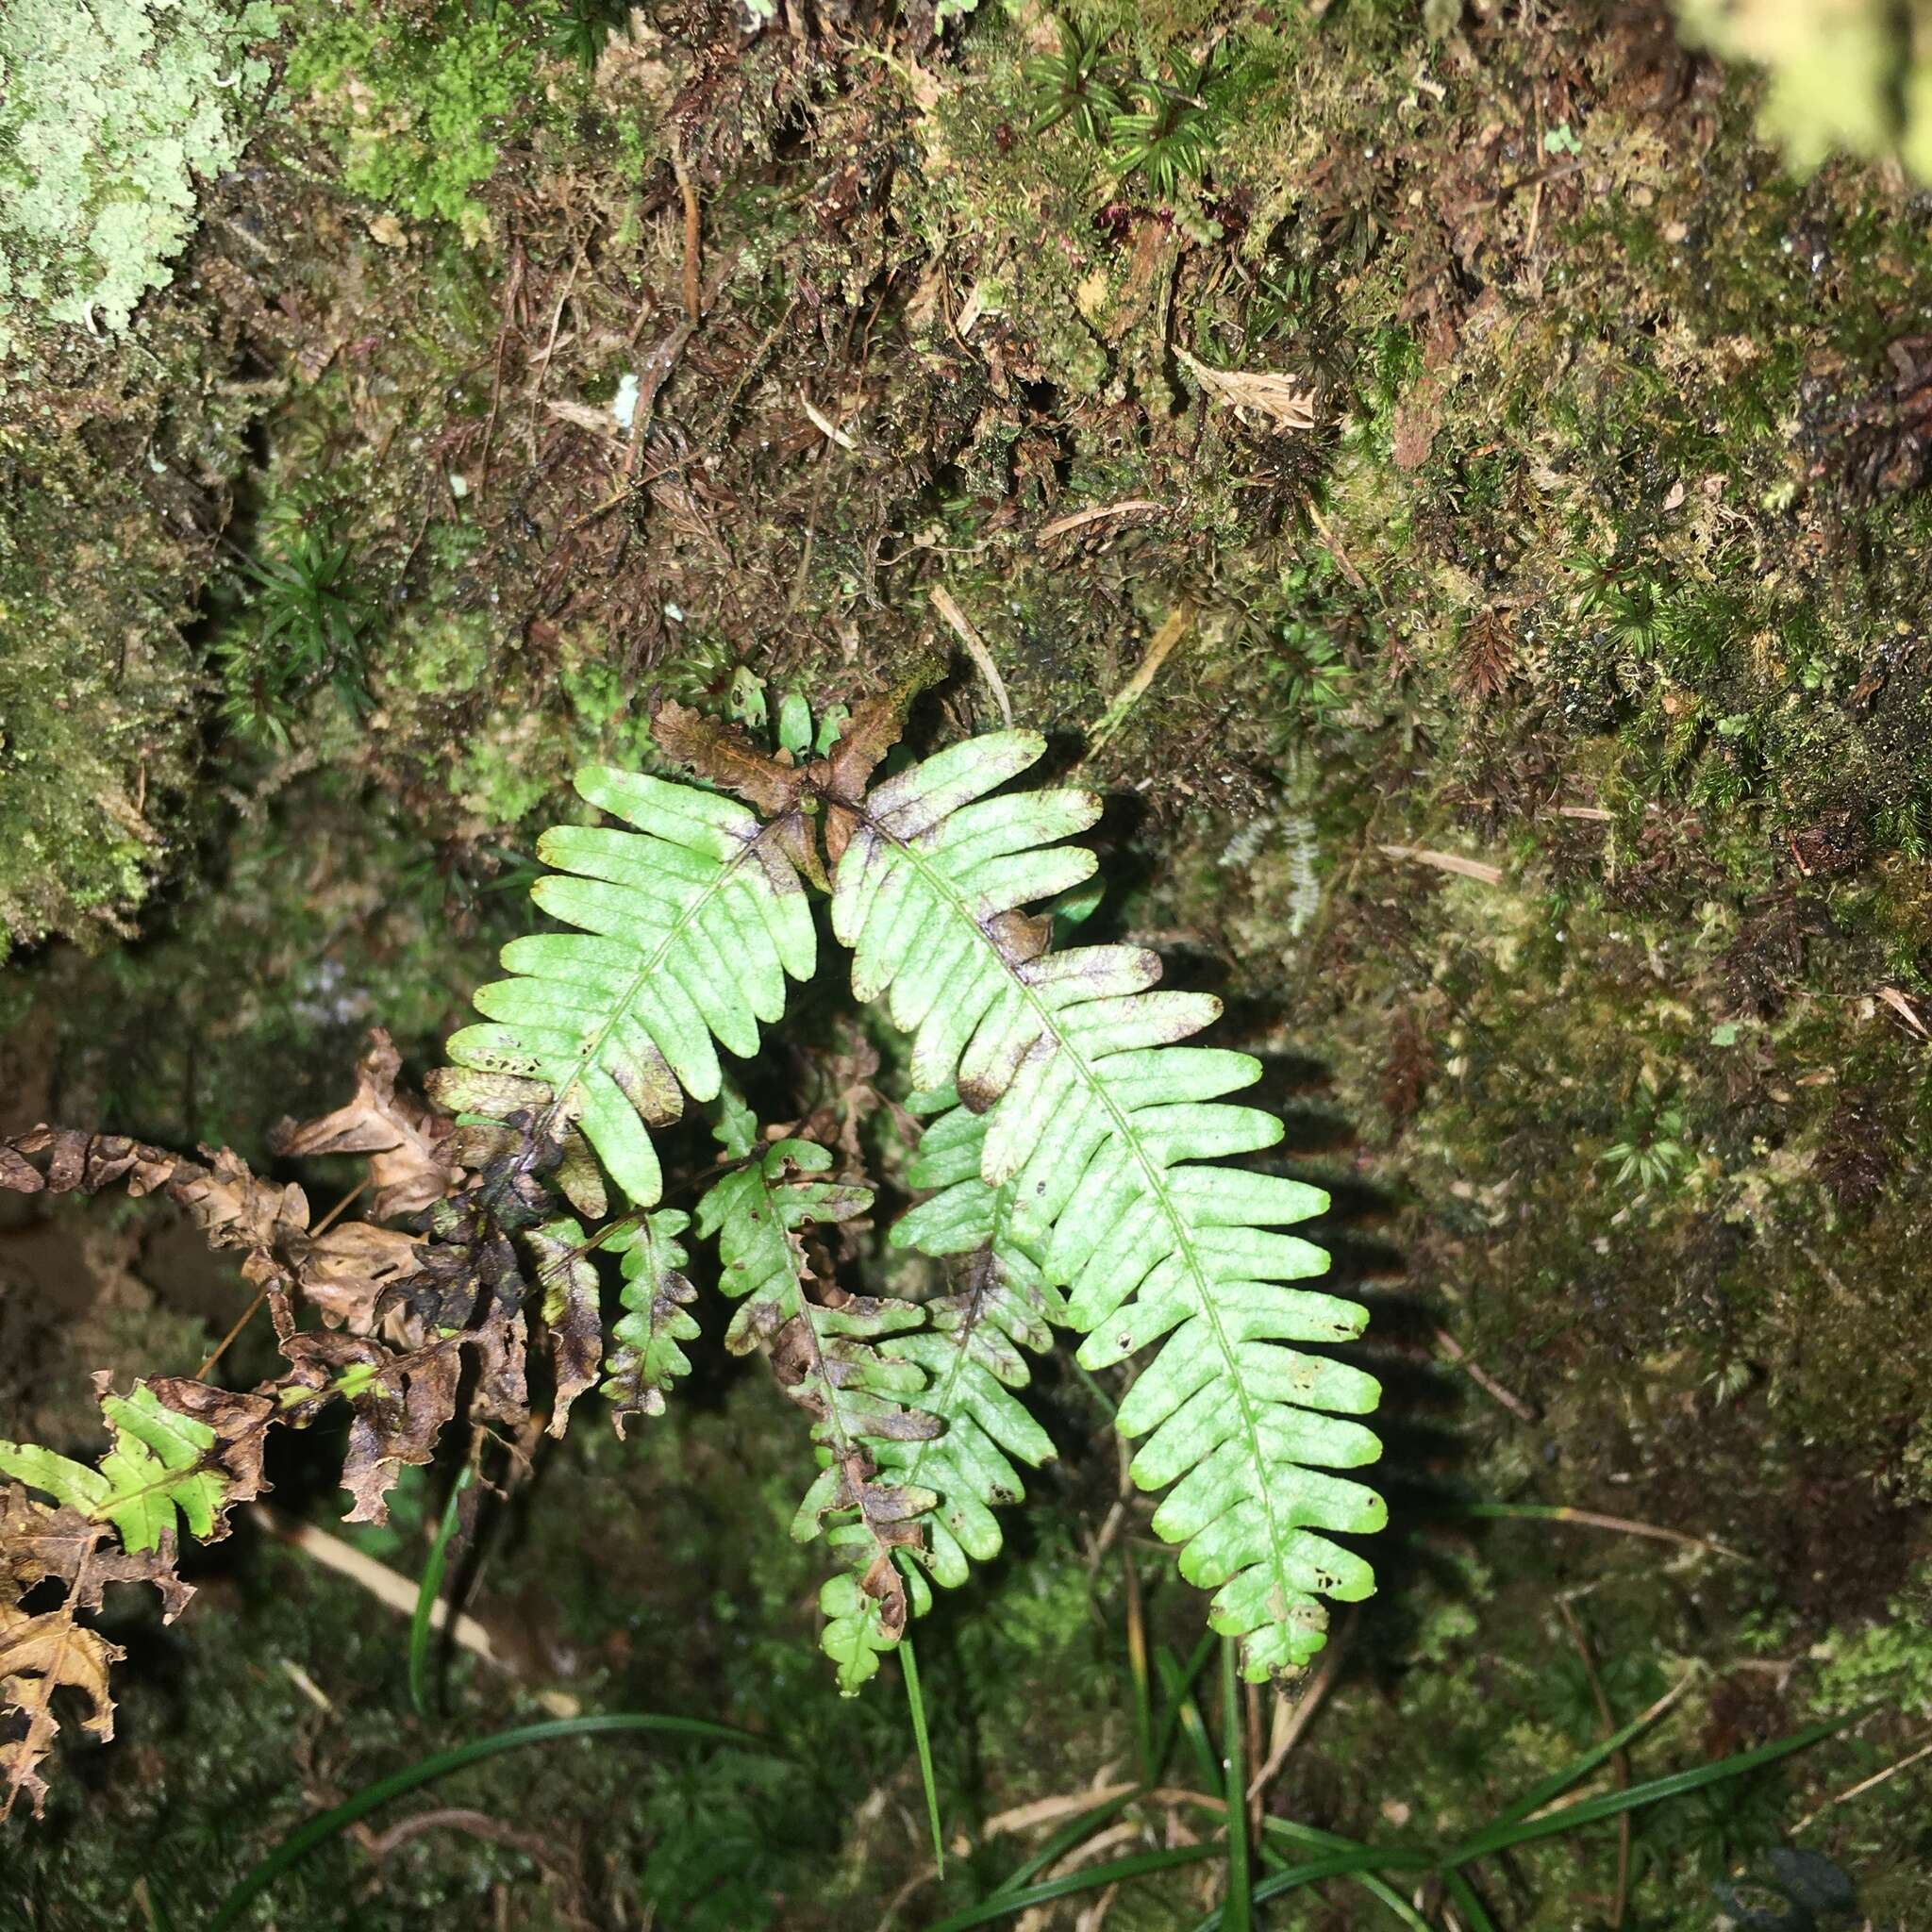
column 973, row 1349
column 825, row 1357
column 167, row 1464
column 1101, row 1123
column 687, row 925
column 648, row 1356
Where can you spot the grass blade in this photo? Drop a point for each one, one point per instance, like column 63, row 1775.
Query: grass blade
column 1236, row 1913
column 1467, row 1902
column 1183, row 1713
column 1137, row 1674
column 1378, row 1889
column 1558, row 1782
column 305, row 1837
column 1003, row 1905
column 1501, row 1836
column 1354, row 1864
column 916, row 1701
column 427, row 1591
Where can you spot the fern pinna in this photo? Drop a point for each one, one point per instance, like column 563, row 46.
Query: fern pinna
column 1073, row 1164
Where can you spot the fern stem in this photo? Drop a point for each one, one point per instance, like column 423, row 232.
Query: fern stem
column 1237, row 1915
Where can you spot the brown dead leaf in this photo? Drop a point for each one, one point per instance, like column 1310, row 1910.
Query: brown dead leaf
column 394, row 1416
column 1282, row 401
column 38, row 1541
column 725, row 756
column 875, row 725
column 570, row 1312
column 235, row 1210
column 1417, row 419
column 39, row 1655
column 18, row 1175
column 406, row 1142
column 344, row 1271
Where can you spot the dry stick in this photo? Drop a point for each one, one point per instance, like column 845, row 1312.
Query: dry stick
column 1165, row 639
column 1079, row 519
column 1620, row 1761
column 945, row 602
column 248, row 1314
column 1878, row 1777
column 1522, row 1410
column 510, row 300
column 693, row 306
column 1591, row 1519
column 1292, row 1720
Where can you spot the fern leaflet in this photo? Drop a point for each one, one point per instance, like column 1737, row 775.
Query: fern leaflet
column 687, row 925
column 648, row 1356
column 825, row 1354
column 973, row 1349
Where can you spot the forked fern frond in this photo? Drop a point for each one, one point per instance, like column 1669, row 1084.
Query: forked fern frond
column 1100, row 1124
column 687, row 925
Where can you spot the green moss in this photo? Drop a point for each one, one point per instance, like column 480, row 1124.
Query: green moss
column 415, row 109
column 110, row 114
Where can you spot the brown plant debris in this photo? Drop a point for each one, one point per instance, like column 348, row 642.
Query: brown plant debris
column 1283, row 402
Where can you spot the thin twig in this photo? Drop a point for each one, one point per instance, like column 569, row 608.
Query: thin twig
column 1922, row 1751
column 1130, row 695
column 945, row 602
column 693, row 306
column 1079, row 519
column 1293, row 1720
column 397, row 1592
column 1522, row 1410
column 1592, row 1518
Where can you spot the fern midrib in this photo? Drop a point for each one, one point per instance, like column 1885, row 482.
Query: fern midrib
column 1157, row 1183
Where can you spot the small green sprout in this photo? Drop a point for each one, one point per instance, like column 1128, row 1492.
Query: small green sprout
column 309, row 619
column 1655, row 1156
column 1073, row 85
column 1168, row 137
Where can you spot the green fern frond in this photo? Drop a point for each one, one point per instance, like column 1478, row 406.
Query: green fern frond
column 164, row 1467
column 687, row 925
column 648, row 1356
column 1100, row 1124
column 824, row 1352
column 973, row 1349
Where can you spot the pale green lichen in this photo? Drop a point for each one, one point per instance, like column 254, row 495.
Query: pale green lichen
column 109, row 114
